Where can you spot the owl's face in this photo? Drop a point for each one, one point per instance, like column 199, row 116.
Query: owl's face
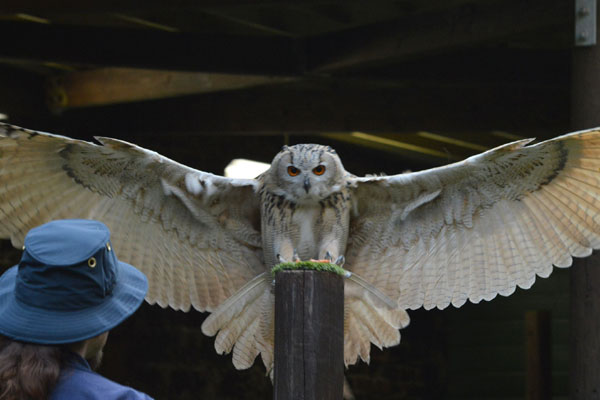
column 305, row 173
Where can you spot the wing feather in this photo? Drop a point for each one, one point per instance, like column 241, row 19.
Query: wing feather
column 245, row 349
column 496, row 263
column 476, row 274
column 194, row 234
column 582, row 203
column 577, row 216
column 506, row 256
column 352, row 337
column 461, row 270
column 244, row 323
column 480, row 227
column 568, row 233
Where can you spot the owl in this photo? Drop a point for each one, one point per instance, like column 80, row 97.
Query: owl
column 466, row 231
column 305, row 205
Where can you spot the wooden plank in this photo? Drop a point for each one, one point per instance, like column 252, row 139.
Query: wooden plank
column 539, row 355
column 308, row 108
column 289, row 335
column 412, row 36
column 402, row 144
column 309, row 336
column 146, row 48
column 121, row 85
column 94, row 6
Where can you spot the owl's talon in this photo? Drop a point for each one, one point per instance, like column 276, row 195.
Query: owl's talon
column 340, row 261
column 295, row 257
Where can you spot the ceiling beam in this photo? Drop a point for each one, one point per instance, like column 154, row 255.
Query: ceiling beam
column 403, row 145
column 154, row 49
column 122, row 85
column 336, row 106
column 383, row 42
column 16, row 6
column 414, row 36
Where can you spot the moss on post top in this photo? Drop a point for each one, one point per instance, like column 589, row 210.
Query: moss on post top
column 309, row 265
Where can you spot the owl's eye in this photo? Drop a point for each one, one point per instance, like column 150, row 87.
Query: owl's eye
column 319, row 170
column 293, row 171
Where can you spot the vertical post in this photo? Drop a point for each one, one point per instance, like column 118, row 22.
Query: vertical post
column 309, row 335
column 585, row 274
column 539, row 355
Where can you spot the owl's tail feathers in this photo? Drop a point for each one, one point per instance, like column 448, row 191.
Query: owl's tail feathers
column 244, row 323
column 376, row 295
column 370, row 317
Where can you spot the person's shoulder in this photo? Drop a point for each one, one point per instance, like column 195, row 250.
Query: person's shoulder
column 77, row 384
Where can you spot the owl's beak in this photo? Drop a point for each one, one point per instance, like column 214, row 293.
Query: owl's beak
column 306, row 184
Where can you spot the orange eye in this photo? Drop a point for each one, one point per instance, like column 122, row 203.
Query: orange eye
column 319, row 170
column 293, row 171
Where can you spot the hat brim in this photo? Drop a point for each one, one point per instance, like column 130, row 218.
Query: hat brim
column 22, row 322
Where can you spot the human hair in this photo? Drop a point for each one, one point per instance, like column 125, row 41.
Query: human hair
column 28, row 371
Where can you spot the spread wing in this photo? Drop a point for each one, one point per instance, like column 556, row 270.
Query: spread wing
column 479, row 227
column 195, row 235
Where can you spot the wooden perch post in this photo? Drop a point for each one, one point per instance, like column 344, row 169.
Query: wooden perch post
column 539, row 355
column 309, row 335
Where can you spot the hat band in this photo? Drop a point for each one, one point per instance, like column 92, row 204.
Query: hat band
column 66, row 287
column 56, row 298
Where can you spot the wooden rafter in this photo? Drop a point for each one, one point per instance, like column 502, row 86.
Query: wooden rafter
column 409, row 36
column 122, row 6
column 274, row 51
column 300, row 107
column 122, row 85
column 155, row 49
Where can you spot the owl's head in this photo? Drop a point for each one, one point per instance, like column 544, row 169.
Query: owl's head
column 305, row 172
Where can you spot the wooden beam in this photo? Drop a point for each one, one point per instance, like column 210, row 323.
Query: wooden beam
column 265, row 29
column 155, row 49
column 404, row 145
column 95, row 6
column 309, row 336
column 539, row 355
column 121, row 85
column 338, row 106
column 416, row 35
column 426, row 148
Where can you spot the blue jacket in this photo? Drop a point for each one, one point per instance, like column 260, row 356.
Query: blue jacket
column 77, row 381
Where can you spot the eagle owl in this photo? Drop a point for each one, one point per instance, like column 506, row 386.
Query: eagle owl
column 305, row 205
column 466, row 231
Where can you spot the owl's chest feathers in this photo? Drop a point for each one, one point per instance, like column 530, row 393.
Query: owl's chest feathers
column 304, row 226
column 303, row 230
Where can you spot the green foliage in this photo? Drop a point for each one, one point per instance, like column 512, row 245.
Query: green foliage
column 309, row 265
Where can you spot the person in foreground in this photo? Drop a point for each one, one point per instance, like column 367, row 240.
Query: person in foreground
column 56, row 308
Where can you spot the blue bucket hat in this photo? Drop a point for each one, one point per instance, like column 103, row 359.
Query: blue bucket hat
column 68, row 286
